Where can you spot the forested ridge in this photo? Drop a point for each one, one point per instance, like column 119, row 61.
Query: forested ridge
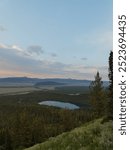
column 23, row 126
column 94, row 135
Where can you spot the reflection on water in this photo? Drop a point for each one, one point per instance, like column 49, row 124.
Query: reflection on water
column 59, row 104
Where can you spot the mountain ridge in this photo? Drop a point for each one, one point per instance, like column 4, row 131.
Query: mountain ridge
column 33, row 81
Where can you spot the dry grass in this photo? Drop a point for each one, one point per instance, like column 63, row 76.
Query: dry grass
column 17, row 90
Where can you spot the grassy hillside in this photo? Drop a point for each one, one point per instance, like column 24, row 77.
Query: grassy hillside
column 94, row 135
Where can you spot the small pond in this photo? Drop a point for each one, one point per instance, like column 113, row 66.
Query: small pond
column 59, row 104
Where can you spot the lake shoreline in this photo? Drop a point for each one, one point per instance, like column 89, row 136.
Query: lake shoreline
column 55, row 103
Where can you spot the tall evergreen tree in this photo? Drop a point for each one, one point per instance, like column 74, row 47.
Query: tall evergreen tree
column 97, row 95
column 110, row 75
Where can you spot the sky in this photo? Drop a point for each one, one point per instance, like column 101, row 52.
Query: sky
column 55, row 38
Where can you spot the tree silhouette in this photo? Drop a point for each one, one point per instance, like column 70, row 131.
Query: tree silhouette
column 97, row 95
column 110, row 75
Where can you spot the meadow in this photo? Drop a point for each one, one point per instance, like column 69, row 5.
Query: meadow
column 17, row 89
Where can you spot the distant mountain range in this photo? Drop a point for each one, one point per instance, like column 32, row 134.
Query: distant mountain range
column 49, row 83
column 38, row 81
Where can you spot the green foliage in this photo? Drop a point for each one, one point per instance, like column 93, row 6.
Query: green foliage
column 92, row 136
column 110, row 75
column 22, row 126
column 5, row 140
column 110, row 95
column 97, row 95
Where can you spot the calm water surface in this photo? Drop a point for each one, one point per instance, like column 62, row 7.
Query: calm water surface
column 59, row 104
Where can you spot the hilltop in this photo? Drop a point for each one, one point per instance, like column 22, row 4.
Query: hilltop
column 26, row 81
column 94, row 135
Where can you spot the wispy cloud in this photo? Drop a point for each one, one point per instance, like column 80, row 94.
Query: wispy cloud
column 53, row 54
column 15, row 62
column 83, row 58
column 2, row 28
column 35, row 49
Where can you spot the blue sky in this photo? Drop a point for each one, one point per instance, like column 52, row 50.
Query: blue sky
column 55, row 38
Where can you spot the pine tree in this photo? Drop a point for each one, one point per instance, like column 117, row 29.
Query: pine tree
column 97, row 95
column 110, row 96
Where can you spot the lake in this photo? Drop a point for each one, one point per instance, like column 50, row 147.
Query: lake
column 59, row 104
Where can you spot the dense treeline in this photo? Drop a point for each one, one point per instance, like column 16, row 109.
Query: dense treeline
column 94, row 135
column 23, row 126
